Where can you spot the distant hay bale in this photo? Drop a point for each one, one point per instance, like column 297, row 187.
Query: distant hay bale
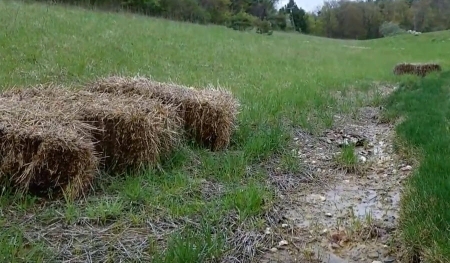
column 417, row 69
column 131, row 132
column 209, row 114
column 44, row 151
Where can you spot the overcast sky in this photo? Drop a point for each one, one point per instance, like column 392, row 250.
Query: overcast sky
column 307, row 5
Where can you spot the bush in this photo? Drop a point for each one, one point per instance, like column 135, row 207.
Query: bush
column 263, row 27
column 388, row 29
column 242, row 21
column 278, row 21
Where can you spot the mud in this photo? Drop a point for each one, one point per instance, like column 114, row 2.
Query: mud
column 343, row 215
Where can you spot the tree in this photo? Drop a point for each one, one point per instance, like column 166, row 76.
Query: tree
column 298, row 17
column 351, row 21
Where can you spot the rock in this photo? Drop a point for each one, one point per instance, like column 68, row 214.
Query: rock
column 328, row 214
column 334, row 246
column 283, row 243
column 274, row 249
column 406, row 168
column 376, row 261
column 267, row 232
column 372, row 255
column 320, row 197
column 389, row 260
column 362, row 158
column 284, row 225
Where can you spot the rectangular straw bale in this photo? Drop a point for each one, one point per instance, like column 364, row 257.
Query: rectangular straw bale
column 132, row 132
column 418, row 69
column 209, row 114
column 44, row 151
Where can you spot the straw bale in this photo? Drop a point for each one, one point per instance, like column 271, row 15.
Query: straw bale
column 417, row 69
column 131, row 132
column 44, row 151
column 209, row 114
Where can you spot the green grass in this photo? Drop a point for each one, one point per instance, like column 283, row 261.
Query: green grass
column 195, row 204
column 347, row 158
column 425, row 217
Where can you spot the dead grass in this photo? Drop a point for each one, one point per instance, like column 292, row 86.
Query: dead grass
column 131, row 133
column 44, row 150
column 209, row 114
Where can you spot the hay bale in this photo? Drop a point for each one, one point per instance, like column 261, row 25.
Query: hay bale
column 131, row 132
column 209, row 114
column 43, row 151
column 418, row 69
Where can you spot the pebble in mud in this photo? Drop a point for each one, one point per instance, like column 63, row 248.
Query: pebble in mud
column 373, row 255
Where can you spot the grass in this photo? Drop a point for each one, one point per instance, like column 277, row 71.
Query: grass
column 425, row 211
column 347, row 158
column 191, row 210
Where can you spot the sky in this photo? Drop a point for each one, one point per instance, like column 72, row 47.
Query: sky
column 307, row 5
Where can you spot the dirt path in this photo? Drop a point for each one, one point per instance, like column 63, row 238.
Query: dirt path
column 345, row 214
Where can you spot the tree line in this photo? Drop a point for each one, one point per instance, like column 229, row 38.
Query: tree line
column 334, row 19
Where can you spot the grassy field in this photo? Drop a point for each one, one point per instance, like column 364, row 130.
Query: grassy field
column 201, row 199
column 425, row 206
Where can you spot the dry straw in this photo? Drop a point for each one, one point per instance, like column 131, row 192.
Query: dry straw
column 209, row 114
column 417, row 69
column 131, row 133
column 43, row 150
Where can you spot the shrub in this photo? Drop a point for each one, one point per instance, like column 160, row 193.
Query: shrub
column 278, row 21
column 263, row 27
column 388, row 29
column 242, row 21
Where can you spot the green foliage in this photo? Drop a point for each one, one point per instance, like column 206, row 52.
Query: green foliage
column 278, row 21
column 388, row 29
column 297, row 16
column 242, row 21
column 263, row 27
column 366, row 19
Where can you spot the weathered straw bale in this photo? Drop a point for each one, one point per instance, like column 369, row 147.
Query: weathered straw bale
column 43, row 150
column 420, row 70
column 209, row 114
column 131, row 132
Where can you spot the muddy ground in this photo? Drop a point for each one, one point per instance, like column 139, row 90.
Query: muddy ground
column 334, row 212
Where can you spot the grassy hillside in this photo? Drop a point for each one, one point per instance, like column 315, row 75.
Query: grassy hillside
column 281, row 80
